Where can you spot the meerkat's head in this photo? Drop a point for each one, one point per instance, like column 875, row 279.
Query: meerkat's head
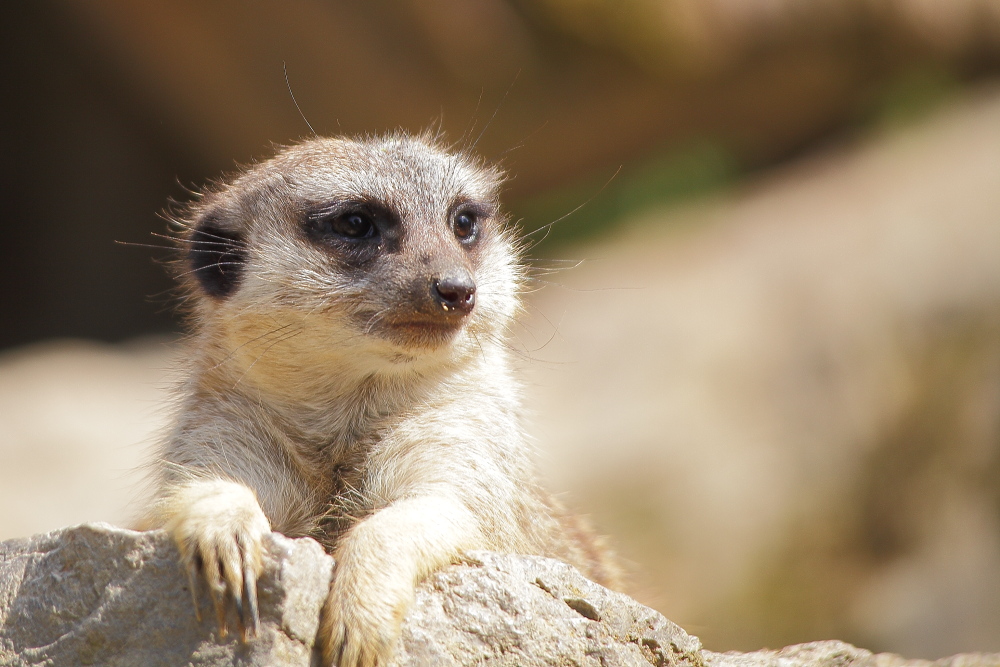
column 383, row 252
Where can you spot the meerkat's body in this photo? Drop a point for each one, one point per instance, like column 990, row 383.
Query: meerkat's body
column 350, row 380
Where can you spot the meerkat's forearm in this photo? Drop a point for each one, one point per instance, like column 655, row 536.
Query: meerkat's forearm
column 417, row 534
column 380, row 560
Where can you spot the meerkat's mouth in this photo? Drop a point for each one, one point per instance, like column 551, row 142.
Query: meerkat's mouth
column 425, row 327
column 421, row 333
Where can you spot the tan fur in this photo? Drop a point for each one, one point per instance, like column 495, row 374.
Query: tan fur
column 315, row 407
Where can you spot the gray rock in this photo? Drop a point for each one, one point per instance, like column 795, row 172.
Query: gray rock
column 527, row 611
column 839, row 654
column 100, row 595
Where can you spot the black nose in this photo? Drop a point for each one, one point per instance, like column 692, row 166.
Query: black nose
column 455, row 293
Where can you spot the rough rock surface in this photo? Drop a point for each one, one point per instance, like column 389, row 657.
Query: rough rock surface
column 99, row 595
column 95, row 594
column 839, row 654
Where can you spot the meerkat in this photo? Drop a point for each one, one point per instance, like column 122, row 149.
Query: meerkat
column 350, row 378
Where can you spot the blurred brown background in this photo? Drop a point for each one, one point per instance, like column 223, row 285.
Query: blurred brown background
column 775, row 378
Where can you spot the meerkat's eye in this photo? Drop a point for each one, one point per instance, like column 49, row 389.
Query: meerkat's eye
column 354, row 226
column 465, row 225
column 349, row 225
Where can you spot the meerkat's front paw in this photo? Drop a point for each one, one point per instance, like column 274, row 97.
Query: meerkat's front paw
column 361, row 619
column 219, row 528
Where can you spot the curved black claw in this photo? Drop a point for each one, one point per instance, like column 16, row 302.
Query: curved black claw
column 194, row 577
column 238, row 602
column 250, row 589
column 219, row 602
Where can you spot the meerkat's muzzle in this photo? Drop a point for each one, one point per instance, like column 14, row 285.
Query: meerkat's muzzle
column 435, row 310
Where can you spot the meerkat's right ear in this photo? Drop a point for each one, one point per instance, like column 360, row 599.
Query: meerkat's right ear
column 216, row 254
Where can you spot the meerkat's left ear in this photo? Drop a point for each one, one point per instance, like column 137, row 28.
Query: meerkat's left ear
column 216, row 254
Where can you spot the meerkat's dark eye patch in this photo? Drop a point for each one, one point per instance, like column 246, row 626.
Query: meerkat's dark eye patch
column 355, row 229
column 216, row 257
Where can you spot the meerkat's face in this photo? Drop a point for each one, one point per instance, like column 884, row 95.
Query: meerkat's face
column 387, row 248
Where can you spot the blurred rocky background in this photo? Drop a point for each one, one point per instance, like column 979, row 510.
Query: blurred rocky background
column 764, row 354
